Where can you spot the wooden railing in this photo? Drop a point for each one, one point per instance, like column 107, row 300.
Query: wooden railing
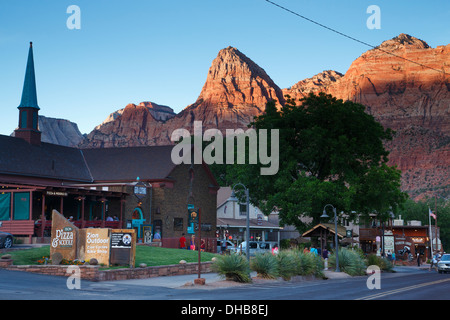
column 77, row 223
column 18, row 227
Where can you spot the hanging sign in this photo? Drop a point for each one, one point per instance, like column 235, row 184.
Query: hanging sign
column 192, row 215
column 140, row 190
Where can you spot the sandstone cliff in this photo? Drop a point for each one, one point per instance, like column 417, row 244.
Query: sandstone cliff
column 236, row 90
column 411, row 99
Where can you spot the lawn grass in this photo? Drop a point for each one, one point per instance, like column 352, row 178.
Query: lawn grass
column 156, row 256
column 151, row 256
column 29, row 256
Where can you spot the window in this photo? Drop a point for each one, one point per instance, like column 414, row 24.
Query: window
column 243, row 209
column 21, row 206
column 23, row 119
column 178, row 224
column 35, row 120
column 5, row 204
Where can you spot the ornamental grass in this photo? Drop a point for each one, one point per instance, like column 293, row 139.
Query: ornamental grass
column 233, row 267
column 265, row 265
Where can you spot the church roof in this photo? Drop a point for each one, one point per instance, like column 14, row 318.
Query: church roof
column 19, row 158
column 128, row 163
column 29, row 95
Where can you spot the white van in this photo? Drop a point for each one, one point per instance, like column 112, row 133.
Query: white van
column 255, row 247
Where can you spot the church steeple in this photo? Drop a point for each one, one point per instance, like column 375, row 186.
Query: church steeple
column 29, row 96
column 28, row 108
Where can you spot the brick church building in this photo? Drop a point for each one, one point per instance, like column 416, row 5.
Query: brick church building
column 130, row 187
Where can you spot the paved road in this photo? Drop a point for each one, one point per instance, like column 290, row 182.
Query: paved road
column 407, row 283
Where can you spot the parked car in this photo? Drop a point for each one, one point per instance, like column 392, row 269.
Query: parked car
column 230, row 246
column 444, row 264
column 255, row 247
column 6, row 240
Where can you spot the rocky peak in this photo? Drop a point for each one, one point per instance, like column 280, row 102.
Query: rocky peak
column 235, row 80
column 159, row 112
column 403, row 40
column 319, row 82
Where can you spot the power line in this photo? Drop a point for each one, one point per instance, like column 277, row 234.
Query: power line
column 351, row 38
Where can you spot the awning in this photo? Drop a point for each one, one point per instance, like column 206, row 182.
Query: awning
column 242, row 223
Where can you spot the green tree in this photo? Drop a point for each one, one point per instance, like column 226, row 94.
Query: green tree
column 331, row 151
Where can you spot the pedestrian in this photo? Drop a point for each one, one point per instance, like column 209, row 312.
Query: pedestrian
column 182, row 242
column 275, row 250
column 192, row 244
column 306, row 250
column 418, row 259
column 325, row 257
column 314, row 250
column 202, row 245
column 223, row 246
column 389, row 255
column 393, row 258
column 434, row 259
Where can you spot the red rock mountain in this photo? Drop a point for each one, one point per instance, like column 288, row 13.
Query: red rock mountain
column 404, row 95
column 236, row 90
column 404, row 83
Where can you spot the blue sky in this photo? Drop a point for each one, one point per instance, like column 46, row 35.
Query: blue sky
column 160, row 51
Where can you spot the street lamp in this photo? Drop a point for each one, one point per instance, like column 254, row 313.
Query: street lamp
column 233, row 198
column 324, row 215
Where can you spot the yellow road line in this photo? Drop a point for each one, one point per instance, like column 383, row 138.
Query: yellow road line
column 383, row 294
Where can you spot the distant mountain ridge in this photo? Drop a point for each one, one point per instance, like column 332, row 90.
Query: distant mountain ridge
column 59, row 131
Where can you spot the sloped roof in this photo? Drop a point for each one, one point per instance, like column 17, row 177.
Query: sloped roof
column 128, row 163
column 18, row 157
column 341, row 231
column 242, row 223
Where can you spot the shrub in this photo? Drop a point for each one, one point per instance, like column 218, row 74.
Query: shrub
column 310, row 264
column 266, row 265
column 305, row 264
column 233, row 267
column 350, row 262
column 287, row 264
column 383, row 263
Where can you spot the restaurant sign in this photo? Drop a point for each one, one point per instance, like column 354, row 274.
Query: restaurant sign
column 56, row 193
column 64, row 237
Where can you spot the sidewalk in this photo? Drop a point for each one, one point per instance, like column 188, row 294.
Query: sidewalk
column 212, row 280
column 173, row 281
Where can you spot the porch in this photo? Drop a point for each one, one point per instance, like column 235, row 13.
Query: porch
column 26, row 210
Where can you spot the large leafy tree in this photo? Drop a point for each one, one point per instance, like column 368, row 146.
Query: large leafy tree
column 331, row 151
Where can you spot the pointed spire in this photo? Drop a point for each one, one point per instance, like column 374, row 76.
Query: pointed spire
column 29, row 95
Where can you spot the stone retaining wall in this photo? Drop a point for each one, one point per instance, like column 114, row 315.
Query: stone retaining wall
column 94, row 273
